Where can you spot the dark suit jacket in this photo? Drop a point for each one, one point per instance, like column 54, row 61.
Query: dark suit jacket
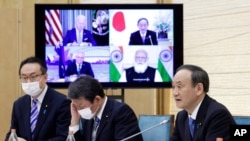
column 85, row 69
column 70, row 37
column 213, row 120
column 53, row 120
column 136, row 39
column 147, row 76
column 118, row 122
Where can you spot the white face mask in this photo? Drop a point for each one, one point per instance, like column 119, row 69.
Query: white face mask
column 32, row 88
column 86, row 113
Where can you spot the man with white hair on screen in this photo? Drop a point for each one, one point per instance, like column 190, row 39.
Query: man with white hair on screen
column 79, row 36
column 141, row 71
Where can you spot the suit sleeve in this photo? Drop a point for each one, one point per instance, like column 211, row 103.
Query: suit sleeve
column 126, row 124
column 176, row 135
column 62, row 121
column 131, row 42
column 219, row 125
column 68, row 72
column 154, row 38
column 89, row 38
column 66, row 39
column 13, row 123
column 90, row 71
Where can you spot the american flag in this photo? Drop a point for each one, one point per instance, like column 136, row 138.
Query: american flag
column 53, row 31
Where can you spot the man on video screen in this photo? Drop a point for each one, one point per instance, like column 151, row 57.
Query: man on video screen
column 141, row 72
column 79, row 67
column 143, row 36
column 79, row 36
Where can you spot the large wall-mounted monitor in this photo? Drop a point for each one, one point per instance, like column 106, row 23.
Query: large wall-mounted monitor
column 121, row 45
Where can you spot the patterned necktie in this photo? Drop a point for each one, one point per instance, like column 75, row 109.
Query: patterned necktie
column 33, row 115
column 97, row 121
column 191, row 126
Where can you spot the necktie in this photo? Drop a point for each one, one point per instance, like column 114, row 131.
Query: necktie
column 79, row 38
column 79, row 68
column 97, row 121
column 33, row 115
column 191, row 126
column 143, row 38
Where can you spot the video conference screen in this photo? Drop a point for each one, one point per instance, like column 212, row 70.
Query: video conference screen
column 122, row 46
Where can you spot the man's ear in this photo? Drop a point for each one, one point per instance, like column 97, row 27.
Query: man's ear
column 199, row 88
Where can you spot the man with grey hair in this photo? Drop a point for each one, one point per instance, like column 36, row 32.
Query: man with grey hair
column 202, row 117
column 79, row 36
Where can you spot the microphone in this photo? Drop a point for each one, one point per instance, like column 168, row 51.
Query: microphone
column 150, row 40
column 156, row 125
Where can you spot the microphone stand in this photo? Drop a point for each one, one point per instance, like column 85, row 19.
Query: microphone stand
column 161, row 123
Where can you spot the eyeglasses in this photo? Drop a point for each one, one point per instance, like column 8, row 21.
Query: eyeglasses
column 32, row 78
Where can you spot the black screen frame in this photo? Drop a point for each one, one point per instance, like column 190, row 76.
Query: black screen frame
column 178, row 37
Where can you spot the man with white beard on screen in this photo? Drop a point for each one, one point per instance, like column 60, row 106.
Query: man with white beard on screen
column 141, row 71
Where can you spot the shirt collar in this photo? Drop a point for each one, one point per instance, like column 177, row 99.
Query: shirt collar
column 194, row 114
column 41, row 96
column 99, row 115
column 143, row 34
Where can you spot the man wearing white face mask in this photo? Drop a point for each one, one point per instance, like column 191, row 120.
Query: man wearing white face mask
column 95, row 117
column 42, row 113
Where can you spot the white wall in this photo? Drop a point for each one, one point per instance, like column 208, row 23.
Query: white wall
column 216, row 37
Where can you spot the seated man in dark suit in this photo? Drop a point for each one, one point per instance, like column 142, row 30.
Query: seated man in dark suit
column 79, row 36
column 79, row 67
column 42, row 114
column 96, row 117
column 143, row 36
column 141, row 72
column 202, row 117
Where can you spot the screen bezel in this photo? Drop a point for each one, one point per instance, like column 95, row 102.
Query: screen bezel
column 178, row 37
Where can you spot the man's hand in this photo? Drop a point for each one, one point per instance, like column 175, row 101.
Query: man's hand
column 85, row 44
column 75, row 116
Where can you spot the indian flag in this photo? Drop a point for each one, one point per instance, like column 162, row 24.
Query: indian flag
column 116, row 66
column 165, row 64
column 118, row 27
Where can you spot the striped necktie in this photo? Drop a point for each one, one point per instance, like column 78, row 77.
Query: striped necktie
column 97, row 121
column 33, row 115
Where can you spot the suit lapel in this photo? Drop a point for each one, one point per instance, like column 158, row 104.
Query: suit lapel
column 44, row 112
column 201, row 115
column 105, row 117
column 26, row 109
column 87, row 129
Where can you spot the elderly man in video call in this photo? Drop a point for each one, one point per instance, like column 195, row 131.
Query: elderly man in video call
column 141, row 71
column 79, row 36
column 79, row 67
